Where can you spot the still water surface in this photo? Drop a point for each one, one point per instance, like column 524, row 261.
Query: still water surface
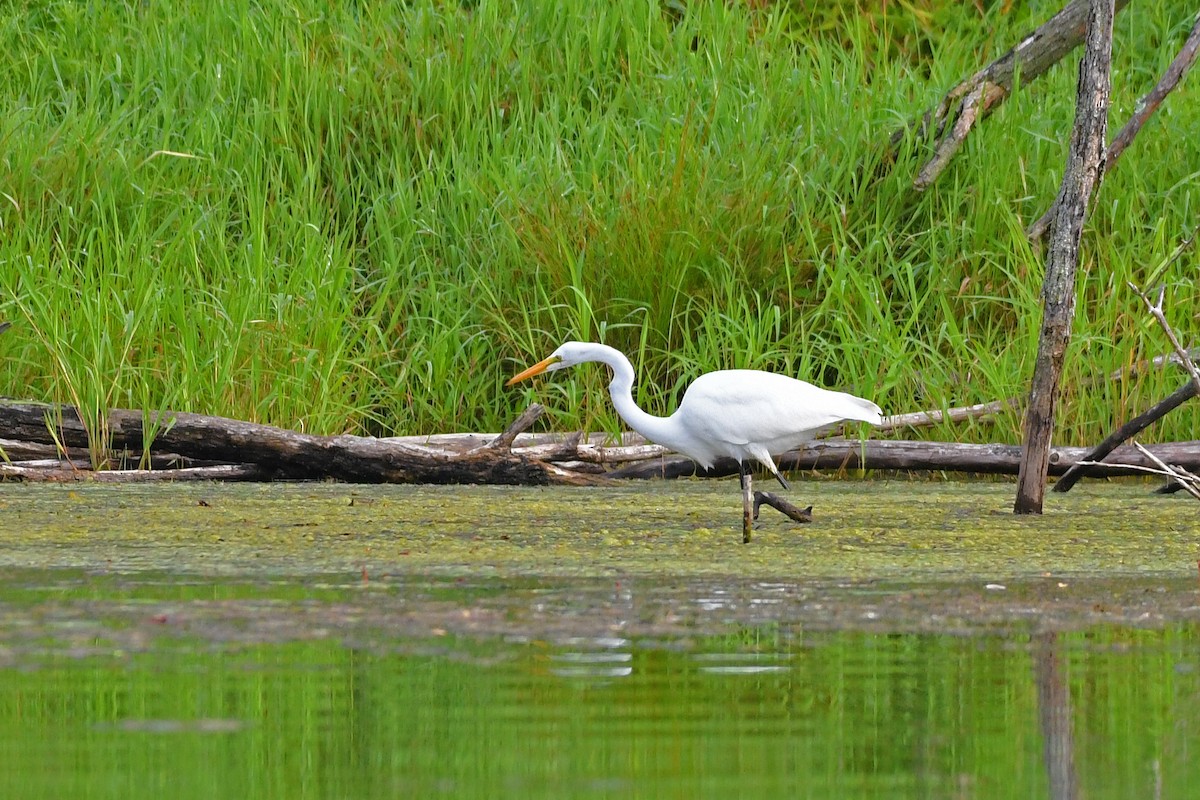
column 144, row 686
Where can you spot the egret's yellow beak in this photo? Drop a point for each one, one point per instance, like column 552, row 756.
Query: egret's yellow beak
column 536, row 369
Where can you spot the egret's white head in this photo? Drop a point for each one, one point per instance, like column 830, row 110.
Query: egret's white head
column 567, row 355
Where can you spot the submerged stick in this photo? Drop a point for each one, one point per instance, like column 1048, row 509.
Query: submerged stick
column 783, row 506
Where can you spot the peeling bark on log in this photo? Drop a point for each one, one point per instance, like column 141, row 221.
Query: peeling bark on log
column 291, row 454
column 1085, row 165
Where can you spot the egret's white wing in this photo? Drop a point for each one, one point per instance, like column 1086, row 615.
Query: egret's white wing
column 731, row 409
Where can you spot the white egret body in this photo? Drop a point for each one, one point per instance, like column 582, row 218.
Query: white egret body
column 745, row 414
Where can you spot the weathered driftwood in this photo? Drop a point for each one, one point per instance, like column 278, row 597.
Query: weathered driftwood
column 1085, row 164
column 54, row 471
column 998, row 459
column 1145, row 108
column 953, row 119
column 919, row 419
column 286, row 453
column 260, row 452
column 78, row 457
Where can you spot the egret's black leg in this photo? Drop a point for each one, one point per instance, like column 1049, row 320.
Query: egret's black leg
column 747, row 502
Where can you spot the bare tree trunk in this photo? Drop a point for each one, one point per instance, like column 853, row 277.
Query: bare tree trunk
column 1085, row 165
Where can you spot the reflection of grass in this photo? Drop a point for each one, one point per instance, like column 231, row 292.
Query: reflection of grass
column 345, row 219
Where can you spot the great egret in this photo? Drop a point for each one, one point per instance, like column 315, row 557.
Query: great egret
column 746, row 414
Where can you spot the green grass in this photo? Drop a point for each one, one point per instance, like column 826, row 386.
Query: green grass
column 364, row 217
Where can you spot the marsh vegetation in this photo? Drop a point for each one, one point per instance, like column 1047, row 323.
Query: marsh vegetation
column 361, row 218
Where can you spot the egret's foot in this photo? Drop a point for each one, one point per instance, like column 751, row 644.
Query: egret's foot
column 782, row 506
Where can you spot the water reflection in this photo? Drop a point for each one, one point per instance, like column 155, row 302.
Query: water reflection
column 742, row 663
column 1054, row 715
column 274, row 690
column 598, row 657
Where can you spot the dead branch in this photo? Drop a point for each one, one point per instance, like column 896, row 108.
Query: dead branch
column 1157, row 362
column 1130, row 429
column 1145, row 108
column 920, row 419
column 1181, row 476
column 521, row 424
column 974, row 98
column 776, row 502
column 1156, row 311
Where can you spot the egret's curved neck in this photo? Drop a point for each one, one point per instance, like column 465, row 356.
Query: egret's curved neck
column 657, row 429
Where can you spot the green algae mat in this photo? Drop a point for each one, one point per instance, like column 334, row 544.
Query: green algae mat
column 861, row 530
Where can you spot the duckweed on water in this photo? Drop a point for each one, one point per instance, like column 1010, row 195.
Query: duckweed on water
column 875, row 530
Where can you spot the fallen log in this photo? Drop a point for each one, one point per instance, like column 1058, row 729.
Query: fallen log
column 58, row 472
column 288, row 454
column 249, row 451
column 984, row 459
